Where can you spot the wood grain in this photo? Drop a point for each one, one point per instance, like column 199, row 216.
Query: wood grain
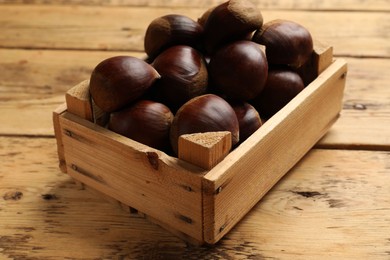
column 329, row 206
column 372, row 5
column 333, row 205
column 204, row 149
column 134, row 174
column 33, row 83
column 38, row 80
column 248, row 173
column 79, row 101
column 123, row 28
column 365, row 119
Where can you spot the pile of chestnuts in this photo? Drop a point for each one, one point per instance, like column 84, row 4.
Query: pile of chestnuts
column 227, row 71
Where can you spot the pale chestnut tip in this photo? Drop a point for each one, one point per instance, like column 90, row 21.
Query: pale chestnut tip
column 230, row 21
column 169, row 30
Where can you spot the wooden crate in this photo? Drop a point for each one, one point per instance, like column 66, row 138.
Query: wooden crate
column 198, row 205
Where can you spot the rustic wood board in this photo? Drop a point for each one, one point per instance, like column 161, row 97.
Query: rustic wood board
column 34, row 82
column 47, row 75
column 365, row 119
column 329, row 206
column 372, row 5
column 333, row 205
column 123, row 28
column 251, row 171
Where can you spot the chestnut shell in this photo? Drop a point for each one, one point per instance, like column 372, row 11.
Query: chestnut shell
column 287, row 42
column 230, row 21
column 248, row 118
column 282, row 86
column 145, row 121
column 183, row 75
column 239, row 70
column 118, row 81
column 169, row 30
column 206, row 113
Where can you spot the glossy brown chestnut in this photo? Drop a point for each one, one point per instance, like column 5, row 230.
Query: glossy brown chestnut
column 239, row 70
column 183, row 75
column 230, row 21
column 248, row 118
column 286, row 42
column 145, row 121
column 203, row 18
column 206, row 113
column 282, row 85
column 169, row 30
column 120, row 80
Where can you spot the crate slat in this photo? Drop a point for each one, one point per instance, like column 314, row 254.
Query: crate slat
column 233, row 187
column 134, row 174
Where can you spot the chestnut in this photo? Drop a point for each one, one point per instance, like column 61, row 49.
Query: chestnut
column 183, row 75
column 203, row 18
column 248, row 119
column 286, row 42
column 145, row 121
column 205, row 113
column 230, row 21
column 169, row 30
column 239, row 70
column 283, row 84
column 118, row 81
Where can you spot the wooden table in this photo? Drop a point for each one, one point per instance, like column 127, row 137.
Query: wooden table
column 335, row 204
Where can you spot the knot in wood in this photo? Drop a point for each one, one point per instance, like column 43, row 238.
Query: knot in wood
column 153, row 159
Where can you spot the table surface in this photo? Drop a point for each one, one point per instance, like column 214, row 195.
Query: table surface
column 334, row 204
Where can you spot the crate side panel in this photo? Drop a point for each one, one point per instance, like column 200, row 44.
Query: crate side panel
column 248, row 173
column 135, row 177
column 57, row 133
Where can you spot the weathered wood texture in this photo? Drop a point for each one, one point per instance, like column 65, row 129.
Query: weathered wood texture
column 33, row 83
column 205, row 149
column 134, row 174
column 365, row 119
column 123, row 28
column 333, row 205
column 232, row 188
column 372, row 5
column 330, row 206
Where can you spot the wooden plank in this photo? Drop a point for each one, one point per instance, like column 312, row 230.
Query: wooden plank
column 134, row 174
column 280, row 143
column 365, row 118
column 133, row 211
column 44, row 210
column 327, row 207
column 57, row 133
column 330, row 206
column 33, row 83
column 123, row 28
column 372, row 5
column 47, row 75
